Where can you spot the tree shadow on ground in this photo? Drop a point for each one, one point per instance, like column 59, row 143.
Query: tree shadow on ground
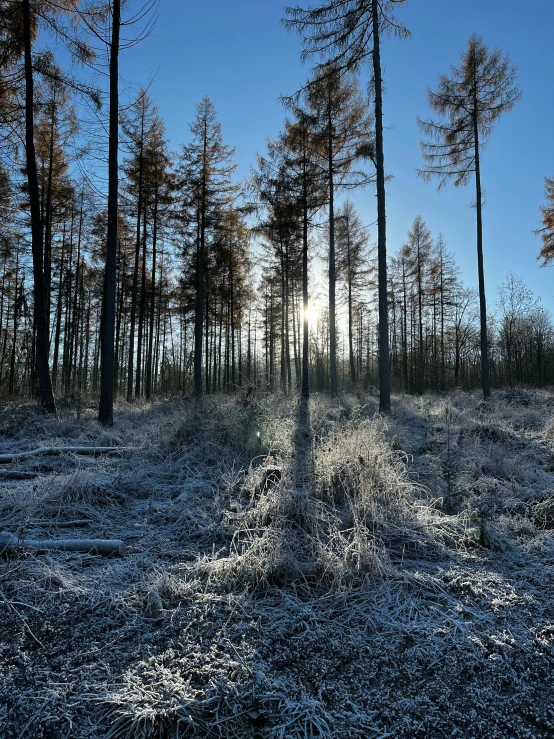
column 303, row 463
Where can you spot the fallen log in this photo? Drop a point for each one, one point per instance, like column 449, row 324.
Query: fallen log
column 103, row 547
column 52, row 450
column 18, row 475
column 80, row 522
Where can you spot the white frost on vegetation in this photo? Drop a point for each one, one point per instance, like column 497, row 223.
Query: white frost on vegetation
column 291, row 571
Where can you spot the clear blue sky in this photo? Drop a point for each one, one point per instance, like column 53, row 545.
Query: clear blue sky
column 239, row 54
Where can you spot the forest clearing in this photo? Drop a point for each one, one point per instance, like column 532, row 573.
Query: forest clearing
column 343, row 574
column 276, row 417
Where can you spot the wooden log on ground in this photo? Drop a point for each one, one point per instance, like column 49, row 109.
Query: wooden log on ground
column 52, row 450
column 80, row 522
column 17, row 475
column 103, row 547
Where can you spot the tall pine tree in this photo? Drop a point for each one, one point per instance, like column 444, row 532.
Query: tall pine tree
column 469, row 102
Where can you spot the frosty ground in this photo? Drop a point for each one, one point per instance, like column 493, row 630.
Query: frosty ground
column 339, row 575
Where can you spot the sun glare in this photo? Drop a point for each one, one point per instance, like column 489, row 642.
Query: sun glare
column 310, row 314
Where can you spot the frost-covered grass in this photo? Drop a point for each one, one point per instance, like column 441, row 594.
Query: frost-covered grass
column 291, row 570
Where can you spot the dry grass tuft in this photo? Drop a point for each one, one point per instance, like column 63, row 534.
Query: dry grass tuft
column 84, row 487
column 334, row 513
column 543, row 513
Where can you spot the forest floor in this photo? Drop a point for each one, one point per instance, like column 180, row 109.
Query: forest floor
column 339, row 575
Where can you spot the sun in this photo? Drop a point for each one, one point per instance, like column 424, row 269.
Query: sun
column 310, row 314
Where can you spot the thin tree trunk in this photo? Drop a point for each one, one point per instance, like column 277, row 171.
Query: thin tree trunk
column 41, row 322
column 58, row 329
column 271, row 325
column 96, row 359
column 405, row 324
column 219, row 351
column 134, row 291
column 305, row 380
column 48, row 217
column 287, row 320
column 332, row 276
column 232, row 318
column 107, row 326
column 294, row 341
column 207, row 307
column 249, row 346
column 350, row 327
column 239, row 353
column 87, row 345
column 6, row 331
column 420, row 355
column 485, row 376
column 255, row 354
column 142, row 310
column 17, row 302
column 199, row 307
column 283, row 291
column 443, row 360
column 121, row 289
column 148, row 388
column 157, row 374
column 2, row 297
column 384, row 362
column 74, row 323
column 68, row 293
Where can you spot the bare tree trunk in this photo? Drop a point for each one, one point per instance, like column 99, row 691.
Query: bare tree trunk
column 217, row 338
column 207, row 307
column 121, row 289
column 239, row 347
column 420, row 355
column 3, row 298
column 73, row 325
column 68, row 293
column 232, row 318
column 41, row 322
column 158, row 328
column 199, row 307
column 87, row 345
column 142, row 310
column 443, row 359
column 305, row 380
column 405, row 330
column 332, row 276
column 219, row 351
column 287, row 320
column 6, row 331
column 148, row 389
column 130, row 368
column 384, row 362
column 283, row 316
column 96, row 357
column 48, row 217
column 58, row 316
column 294, row 341
column 17, row 303
column 107, row 325
column 485, row 376
column 249, row 345
column 350, row 327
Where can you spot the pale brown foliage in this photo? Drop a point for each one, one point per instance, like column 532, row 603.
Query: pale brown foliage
column 469, row 101
column 547, row 231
